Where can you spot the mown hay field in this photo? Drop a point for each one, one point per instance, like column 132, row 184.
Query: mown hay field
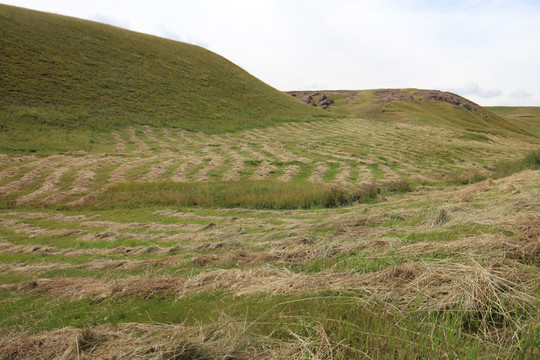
column 432, row 254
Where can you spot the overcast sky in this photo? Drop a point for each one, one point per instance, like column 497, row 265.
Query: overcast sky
column 485, row 50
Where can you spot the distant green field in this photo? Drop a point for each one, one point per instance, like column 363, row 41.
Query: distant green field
column 526, row 118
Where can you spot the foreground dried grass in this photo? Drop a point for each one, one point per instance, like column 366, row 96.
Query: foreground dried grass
column 467, row 255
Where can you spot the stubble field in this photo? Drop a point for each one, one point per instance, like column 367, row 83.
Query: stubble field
column 432, row 253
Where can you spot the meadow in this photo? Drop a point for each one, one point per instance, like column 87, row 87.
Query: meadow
column 158, row 202
column 336, row 239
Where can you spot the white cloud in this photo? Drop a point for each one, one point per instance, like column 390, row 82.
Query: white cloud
column 473, row 89
column 350, row 44
column 520, row 94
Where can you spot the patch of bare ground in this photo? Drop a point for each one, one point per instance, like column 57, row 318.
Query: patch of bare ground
column 393, row 94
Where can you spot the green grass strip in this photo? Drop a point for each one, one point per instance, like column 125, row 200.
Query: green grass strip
column 245, row 194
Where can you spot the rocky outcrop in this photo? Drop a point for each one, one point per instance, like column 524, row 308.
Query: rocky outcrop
column 394, row 94
column 314, row 98
column 431, row 95
column 441, row 96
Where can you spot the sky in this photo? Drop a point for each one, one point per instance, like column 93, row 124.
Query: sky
column 485, row 50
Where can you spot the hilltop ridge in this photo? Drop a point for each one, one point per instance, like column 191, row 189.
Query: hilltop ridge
column 76, row 73
column 431, row 107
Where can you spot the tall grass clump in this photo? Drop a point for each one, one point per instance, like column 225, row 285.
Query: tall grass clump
column 530, row 161
column 222, row 194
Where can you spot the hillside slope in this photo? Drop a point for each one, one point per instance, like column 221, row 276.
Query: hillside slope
column 74, row 73
column 431, row 107
column 525, row 117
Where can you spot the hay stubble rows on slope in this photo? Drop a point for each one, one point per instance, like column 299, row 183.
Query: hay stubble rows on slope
column 347, row 153
column 92, row 234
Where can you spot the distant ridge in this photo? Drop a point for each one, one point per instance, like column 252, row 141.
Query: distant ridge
column 432, row 107
column 58, row 70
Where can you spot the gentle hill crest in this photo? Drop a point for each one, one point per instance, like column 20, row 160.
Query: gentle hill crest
column 432, row 107
column 70, row 72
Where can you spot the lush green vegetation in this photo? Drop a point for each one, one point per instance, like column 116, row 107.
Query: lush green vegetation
column 530, row 161
column 253, row 194
column 68, row 75
column 224, row 194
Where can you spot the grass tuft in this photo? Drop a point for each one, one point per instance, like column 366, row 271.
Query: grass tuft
column 506, row 168
column 244, row 194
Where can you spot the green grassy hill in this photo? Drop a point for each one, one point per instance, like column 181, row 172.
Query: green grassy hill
column 431, row 107
column 73, row 73
column 526, row 118
column 405, row 224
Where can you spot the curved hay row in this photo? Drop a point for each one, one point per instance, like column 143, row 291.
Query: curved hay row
column 142, row 147
column 263, row 171
column 156, row 171
column 12, row 169
column 51, row 183
column 42, row 166
column 289, row 172
column 83, row 182
column 180, row 173
column 120, row 147
column 215, row 162
column 318, row 174
column 164, row 146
